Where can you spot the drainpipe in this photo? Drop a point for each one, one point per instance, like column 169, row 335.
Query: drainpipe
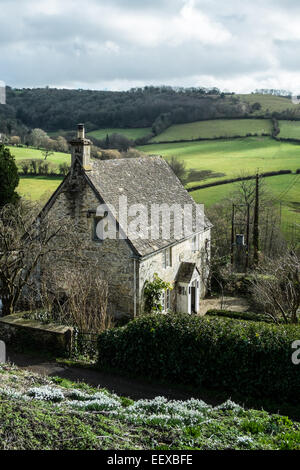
column 134, row 287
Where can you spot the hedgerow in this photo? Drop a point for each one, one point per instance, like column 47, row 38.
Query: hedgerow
column 236, row 355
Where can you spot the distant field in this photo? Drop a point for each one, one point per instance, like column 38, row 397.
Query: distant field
column 268, row 102
column 232, row 157
column 24, row 153
column 289, row 129
column 215, row 129
column 284, row 187
column 38, row 187
column 129, row 133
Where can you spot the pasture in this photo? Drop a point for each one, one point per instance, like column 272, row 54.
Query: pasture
column 131, row 134
column 269, row 103
column 215, row 129
column 284, row 189
column 24, row 153
column 38, row 187
column 232, row 157
column 289, row 130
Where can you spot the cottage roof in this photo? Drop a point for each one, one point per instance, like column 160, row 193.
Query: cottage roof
column 146, row 181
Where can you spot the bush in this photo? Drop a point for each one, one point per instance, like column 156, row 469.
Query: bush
column 251, row 357
column 249, row 316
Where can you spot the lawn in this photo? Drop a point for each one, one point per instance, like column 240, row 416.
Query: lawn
column 131, row 134
column 289, row 130
column 232, row 157
column 215, row 129
column 24, row 153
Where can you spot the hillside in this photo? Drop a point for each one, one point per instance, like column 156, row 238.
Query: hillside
column 269, row 103
column 215, row 129
column 40, row 413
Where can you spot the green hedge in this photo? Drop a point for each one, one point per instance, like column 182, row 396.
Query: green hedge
column 249, row 357
column 238, row 315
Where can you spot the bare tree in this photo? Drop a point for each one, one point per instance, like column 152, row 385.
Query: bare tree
column 27, row 239
column 276, row 288
column 179, row 168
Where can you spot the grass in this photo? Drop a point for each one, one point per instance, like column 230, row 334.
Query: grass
column 24, row 153
column 131, row 134
column 40, row 413
column 232, row 157
column 289, row 130
column 269, row 103
column 284, row 187
column 215, row 129
column 38, row 187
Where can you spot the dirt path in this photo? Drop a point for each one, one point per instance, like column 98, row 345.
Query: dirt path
column 124, row 386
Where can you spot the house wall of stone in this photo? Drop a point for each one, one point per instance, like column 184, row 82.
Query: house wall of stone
column 182, row 252
column 115, row 256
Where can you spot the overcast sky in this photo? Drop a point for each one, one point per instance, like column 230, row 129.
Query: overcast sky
column 236, row 45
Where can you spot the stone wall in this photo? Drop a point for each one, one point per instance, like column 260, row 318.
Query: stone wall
column 115, row 256
column 22, row 333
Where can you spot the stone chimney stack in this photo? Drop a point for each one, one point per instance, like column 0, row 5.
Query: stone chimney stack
column 81, row 149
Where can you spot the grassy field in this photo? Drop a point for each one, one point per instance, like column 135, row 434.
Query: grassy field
column 38, row 187
column 268, row 102
column 40, row 413
column 131, row 134
column 24, row 153
column 232, row 157
column 215, row 129
column 289, row 129
column 285, row 188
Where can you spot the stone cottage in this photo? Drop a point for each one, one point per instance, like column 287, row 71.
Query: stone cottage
column 139, row 220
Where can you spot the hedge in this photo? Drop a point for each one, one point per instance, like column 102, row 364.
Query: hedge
column 239, row 356
column 238, row 315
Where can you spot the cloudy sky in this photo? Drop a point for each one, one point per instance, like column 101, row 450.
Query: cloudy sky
column 118, row 44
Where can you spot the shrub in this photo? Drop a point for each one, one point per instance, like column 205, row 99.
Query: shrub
column 238, row 315
column 246, row 356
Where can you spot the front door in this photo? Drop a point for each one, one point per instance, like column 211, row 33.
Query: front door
column 194, row 291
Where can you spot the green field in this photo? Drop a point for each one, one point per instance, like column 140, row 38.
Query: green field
column 289, row 130
column 232, row 157
column 215, row 129
column 269, row 102
column 38, row 187
column 285, row 188
column 131, row 134
column 24, row 153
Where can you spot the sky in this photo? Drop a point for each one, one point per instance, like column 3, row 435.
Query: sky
column 235, row 45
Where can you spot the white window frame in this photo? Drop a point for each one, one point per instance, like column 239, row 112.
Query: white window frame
column 166, row 300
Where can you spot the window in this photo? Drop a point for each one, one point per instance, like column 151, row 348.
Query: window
column 166, row 300
column 96, row 238
column 167, row 257
column 181, row 290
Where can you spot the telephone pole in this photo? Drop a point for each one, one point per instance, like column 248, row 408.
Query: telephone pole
column 256, row 222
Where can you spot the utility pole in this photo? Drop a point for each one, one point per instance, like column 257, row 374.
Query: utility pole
column 256, row 221
column 232, row 235
column 248, row 237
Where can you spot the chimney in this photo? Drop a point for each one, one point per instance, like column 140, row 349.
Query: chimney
column 81, row 149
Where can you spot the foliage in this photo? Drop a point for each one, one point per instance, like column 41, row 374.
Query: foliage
column 8, row 176
column 152, row 293
column 178, row 167
column 214, row 352
column 87, row 418
column 238, row 315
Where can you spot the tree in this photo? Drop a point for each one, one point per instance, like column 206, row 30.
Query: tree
column 9, row 178
column 276, row 288
column 38, row 137
column 15, row 140
column 30, row 244
column 179, row 168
